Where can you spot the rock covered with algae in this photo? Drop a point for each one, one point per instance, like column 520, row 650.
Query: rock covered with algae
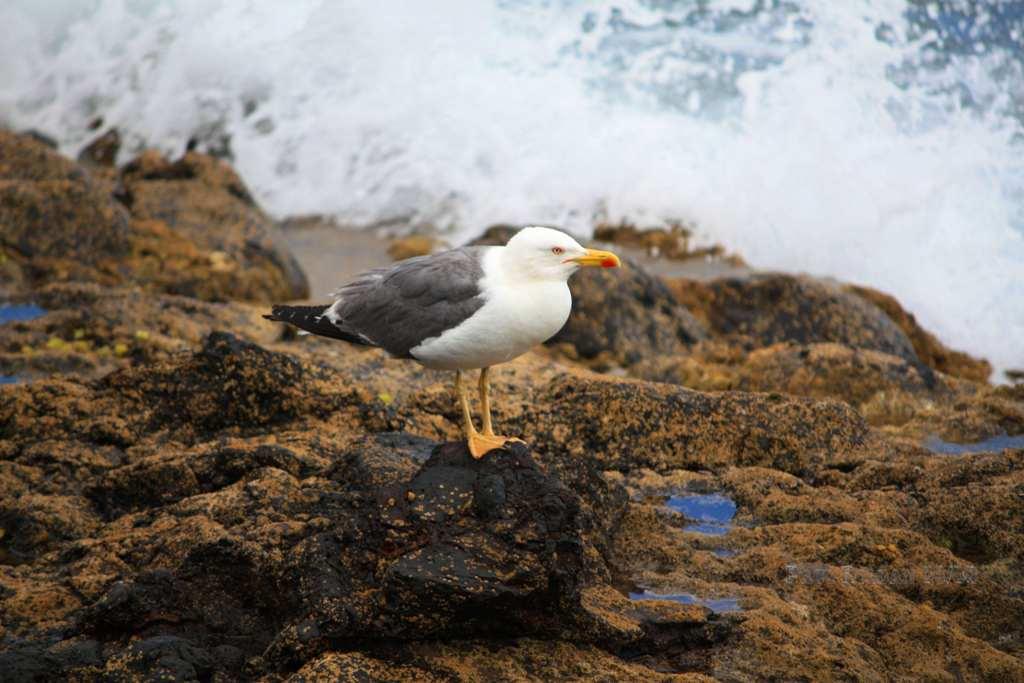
column 188, row 492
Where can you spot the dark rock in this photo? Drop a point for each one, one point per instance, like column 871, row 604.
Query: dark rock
column 624, row 315
column 103, row 150
column 34, row 524
column 28, row 663
column 161, row 658
column 238, row 507
column 143, row 484
column 22, row 662
column 229, row 382
column 928, row 348
column 381, row 460
column 224, row 467
column 130, row 605
column 464, row 547
column 768, row 308
column 489, row 497
column 220, row 594
column 494, row 563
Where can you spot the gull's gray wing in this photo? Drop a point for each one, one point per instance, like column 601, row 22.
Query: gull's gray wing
column 399, row 306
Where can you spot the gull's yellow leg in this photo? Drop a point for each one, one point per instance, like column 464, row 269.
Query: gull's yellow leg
column 485, row 401
column 467, row 415
column 481, row 443
column 478, row 443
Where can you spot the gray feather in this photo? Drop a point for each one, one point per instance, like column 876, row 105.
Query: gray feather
column 399, row 306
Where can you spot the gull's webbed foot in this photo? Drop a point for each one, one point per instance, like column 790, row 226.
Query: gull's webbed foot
column 480, row 444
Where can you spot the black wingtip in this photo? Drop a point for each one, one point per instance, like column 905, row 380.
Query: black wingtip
column 313, row 319
column 275, row 313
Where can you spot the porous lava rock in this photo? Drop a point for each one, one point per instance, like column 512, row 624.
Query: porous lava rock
column 242, row 514
column 56, row 222
column 189, row 492
column 188, row 197
column 628, row 424
column 767, row 308
column 89, row 330
column 886, row 389
column 621, row 316
column 245, row 511
column 186, row 227
column 927, row 346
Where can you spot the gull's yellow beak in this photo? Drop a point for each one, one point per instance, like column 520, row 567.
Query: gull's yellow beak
column 596, row 257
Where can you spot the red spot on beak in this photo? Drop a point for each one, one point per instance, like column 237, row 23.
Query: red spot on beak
column 609, row 263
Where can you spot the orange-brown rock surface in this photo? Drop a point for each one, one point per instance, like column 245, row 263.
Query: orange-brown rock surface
column 186, row 227
column 928, row 348
column 189, row 492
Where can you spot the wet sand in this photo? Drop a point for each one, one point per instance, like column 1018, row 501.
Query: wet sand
column 331, row 255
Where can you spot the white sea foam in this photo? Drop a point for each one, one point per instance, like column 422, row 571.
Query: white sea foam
column 836, row 138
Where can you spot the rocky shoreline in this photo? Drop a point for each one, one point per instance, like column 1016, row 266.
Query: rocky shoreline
column 189, row 492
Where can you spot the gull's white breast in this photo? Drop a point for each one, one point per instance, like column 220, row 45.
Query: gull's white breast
column 517, row 315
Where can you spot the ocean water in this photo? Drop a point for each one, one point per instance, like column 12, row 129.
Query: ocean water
column 876, row 141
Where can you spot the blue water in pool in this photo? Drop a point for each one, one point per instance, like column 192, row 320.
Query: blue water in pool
column 993, row 445
column 708, row 513
column 10, row 313
column 717, row 605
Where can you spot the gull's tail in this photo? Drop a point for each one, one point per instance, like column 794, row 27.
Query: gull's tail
column 313, row 319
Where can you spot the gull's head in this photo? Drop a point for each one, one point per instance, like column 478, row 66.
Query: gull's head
column 545, row 253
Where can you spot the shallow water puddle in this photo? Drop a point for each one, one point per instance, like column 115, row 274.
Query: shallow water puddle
column 706, row 513
column 10, row 313
column 717, row 605
column 8, row 379
column 992, row 445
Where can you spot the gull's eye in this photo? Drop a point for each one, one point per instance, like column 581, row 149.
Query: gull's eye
column 557, row 250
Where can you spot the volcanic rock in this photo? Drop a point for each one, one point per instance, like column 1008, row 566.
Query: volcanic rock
column 624, row 317
column 928, row 348
column 247, row 257
column 187, row 227
column 886, row 389
column 189, row 492
column 768, row 308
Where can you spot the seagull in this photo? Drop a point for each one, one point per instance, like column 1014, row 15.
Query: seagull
column 462, row 309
